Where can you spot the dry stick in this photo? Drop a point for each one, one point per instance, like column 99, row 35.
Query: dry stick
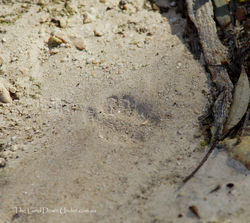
column 201, row 14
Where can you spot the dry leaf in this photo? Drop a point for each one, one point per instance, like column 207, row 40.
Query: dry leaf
column 239, row 149
column 240, row 101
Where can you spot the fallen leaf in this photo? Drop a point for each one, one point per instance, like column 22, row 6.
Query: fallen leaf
column 194, row 210
column 240, row 101
column 239, row 149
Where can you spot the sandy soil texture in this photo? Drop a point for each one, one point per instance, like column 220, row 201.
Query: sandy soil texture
column 103, row 124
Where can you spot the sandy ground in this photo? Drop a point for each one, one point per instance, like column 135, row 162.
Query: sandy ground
column 107, row 133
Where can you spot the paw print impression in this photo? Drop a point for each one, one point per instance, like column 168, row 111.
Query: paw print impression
column 125, row 118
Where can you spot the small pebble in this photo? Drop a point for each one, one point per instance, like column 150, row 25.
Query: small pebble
column 62, row 36
column 2, row 162
column 8, row 154
column 98, row 33
column 54, row 51
column 54, row 41
column 62, row 22
column 196, row 112
column 78, row 43
column 88, row 18
column 197, row 134
column 1, row 61
column 4, row 94
column 173, row 4
column 156, row 7
column 120, row 65
column 230, row 185
column 173, row 19
column 14, row 148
